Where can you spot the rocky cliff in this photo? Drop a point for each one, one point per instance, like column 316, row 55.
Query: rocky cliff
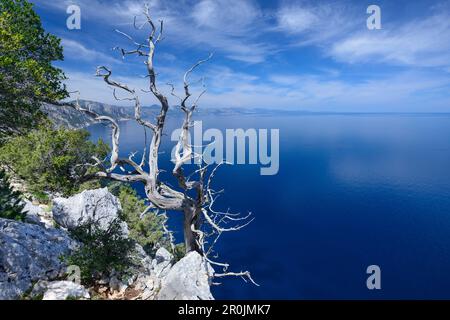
column 31, row 264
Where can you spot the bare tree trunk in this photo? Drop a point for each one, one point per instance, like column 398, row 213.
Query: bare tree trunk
column 191, row 222
column 199, row 214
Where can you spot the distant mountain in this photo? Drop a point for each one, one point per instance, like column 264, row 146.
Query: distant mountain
column 71, row 118
column 68, row 117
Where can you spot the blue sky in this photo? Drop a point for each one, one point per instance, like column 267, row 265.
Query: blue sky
column 303, row 55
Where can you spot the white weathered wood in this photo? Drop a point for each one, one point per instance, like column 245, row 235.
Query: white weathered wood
column 201, row 221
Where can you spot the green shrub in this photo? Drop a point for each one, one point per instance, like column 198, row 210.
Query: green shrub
column 51, row 159
column 41, row 197
column 148, row 230
column 179, row 252
column 11, row 206
column 90, row 185
column 101, row 252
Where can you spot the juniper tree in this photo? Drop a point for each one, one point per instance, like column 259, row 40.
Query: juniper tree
column 195, row 196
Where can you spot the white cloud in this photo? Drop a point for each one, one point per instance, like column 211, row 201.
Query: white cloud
column 404, row 92
column 77, row 51
column 311, row 23
column 236, row 16
column 230, row 27
column 241, row 31
column 342, row 34
column 297, row 19
column 408, row 91
column 424, row 42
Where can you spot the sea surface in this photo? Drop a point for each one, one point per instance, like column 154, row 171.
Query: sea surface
column 352, row 191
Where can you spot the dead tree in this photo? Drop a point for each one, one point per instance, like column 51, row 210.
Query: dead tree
column 195, row 196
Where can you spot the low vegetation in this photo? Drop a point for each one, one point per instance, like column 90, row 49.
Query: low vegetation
column 11, row 206
column 49, row 159
column 147, row 230
column 102, row 251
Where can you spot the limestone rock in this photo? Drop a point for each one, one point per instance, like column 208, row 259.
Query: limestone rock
column 162, row 262
column 98, row 206
column 29, row 253
column 61, row 290
column 188, row 279
column 37, row 215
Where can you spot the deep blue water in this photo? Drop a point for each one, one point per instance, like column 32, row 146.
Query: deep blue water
column 352, row 191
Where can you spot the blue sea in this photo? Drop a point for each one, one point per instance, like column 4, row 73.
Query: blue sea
column 353, row 190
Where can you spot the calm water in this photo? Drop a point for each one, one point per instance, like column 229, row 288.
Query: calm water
column 352, row 191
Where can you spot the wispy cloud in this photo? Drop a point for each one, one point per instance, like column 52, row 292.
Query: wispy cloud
column 341, row 33
column 422, row 42
column 75, row 50
column 407, row 91
column 316, row 22
column 231, row 27
column 312, row 55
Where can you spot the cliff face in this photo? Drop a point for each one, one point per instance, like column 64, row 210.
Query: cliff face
column 70, row 118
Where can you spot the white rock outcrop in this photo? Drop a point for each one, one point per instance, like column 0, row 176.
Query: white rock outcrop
column 62, row 290
column 29, row 253
column 37, row 215
column 99, row 206
column 162, row 262
column 188, row 279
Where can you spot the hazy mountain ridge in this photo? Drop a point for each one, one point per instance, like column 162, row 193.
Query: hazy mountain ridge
column 68, row 117
column 71, row 118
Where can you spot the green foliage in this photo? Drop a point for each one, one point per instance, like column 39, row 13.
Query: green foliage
column 51, row 159
column 90, row 185
column 41, row 197
column 179, row 252
column 102, row 251
column 148, row 230
column 11, row 206
column 27, row 77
